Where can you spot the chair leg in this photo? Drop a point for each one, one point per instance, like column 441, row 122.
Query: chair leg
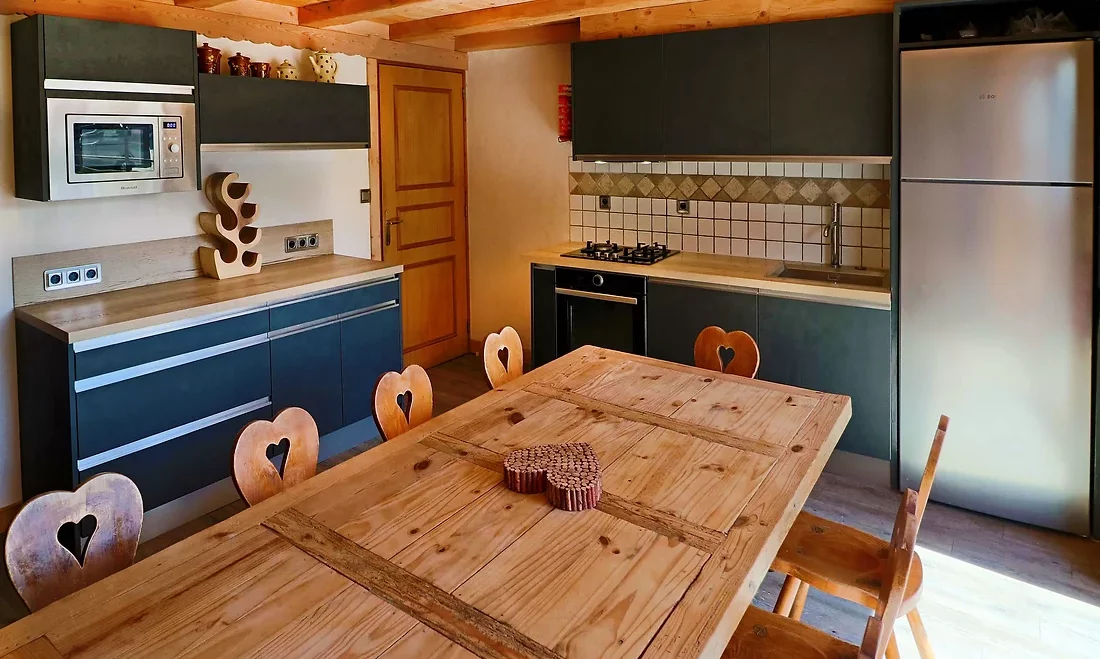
column 924, row 647
column 800, row 601
column 787, row 595
column 892, row 648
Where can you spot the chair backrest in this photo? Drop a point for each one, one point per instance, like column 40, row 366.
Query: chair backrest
column 402, row 401
column 708, row 351
column 503, row 357
column 42, row 569
column 294, row 433
column 899, row 563
column 930, row 468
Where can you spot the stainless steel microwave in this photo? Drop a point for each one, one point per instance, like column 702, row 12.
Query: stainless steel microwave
column 107, row 147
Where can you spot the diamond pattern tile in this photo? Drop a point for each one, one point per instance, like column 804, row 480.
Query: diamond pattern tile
column 783, row 190
column 625, row 185
column 757, row 191
column 645, row 186
column 604, row 184
column 839, row 193
column 734, row 188
column 666, row 187
column 688, row 186
column 710, row 188
column 810, row 192
column 868, row 193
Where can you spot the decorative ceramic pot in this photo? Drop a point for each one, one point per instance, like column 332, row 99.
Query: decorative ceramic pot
column 286, row 71
column 260, row 69
column 210, row 59
column 324, row 65
column 238, row 65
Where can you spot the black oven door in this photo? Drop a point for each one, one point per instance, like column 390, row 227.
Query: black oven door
column 600, row 309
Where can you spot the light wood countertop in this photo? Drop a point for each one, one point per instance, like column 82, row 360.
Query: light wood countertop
column 143, row 307
column 717, row 270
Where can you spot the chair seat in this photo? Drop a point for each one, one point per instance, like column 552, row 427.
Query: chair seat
column 766, row 635
column 842, row 561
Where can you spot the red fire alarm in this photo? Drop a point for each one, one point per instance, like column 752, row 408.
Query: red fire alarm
column 565, row 113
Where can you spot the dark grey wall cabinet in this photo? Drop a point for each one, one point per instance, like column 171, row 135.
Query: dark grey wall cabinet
column 240, row 110
column 831, row 86
column 716, row 92
column 544, row 316
column 617, row 108
column 834, row 348
column 677, row 313
column 165, row 409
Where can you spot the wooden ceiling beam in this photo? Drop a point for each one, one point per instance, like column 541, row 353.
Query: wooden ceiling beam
column 201, row 4
column 539, row 35
column 711, row 14
column 342, row 12
column 509, row 17
column 241, row 28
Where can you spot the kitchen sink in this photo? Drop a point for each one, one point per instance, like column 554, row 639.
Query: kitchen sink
column 835, row 276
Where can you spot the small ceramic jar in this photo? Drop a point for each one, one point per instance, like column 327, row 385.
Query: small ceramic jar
column 260, row 69
column 286, row 71
column 210, row 59
column 238, row 65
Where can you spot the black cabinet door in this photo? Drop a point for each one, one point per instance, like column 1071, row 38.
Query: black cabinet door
column 239, row 110
column 838, row 349
column 617, row 108
column 831, row 86
column 305, row 372
column 370, row 345
column 676, row 314
column 79, row 49
column 544, row 317
column 716, row 92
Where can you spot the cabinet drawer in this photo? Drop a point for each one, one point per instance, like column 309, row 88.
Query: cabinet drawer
column 305, row 372
column 133, row 409
column 80, row 49
column 97, row 361
column 334, row 303
column 183, row 464
column 370, row 345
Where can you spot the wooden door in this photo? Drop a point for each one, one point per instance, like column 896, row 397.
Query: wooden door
column 423, row 157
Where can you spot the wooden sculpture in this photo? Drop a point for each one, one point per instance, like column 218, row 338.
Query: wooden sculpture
column 230, row 228
column 42, row 569
column 569, row 473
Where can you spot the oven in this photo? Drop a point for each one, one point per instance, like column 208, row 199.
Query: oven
column 601, row 309
column 105, row 147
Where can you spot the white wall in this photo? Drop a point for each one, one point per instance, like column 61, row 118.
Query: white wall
column 289, row 186
column 518, row 178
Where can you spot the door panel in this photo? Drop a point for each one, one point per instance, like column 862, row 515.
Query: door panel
column 424, row 207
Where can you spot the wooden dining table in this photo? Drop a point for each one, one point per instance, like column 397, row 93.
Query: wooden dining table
column 416, row 549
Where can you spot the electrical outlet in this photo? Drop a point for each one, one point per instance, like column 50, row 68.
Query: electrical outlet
column 683, row 207
column 81, row 275
column 605, row 202
column 302, row 242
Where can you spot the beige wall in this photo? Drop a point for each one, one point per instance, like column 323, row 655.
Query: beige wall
column 518, row 178
column 289, row 186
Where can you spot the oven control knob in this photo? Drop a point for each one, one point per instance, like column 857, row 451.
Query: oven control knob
column 597, row 280
column 174, row 148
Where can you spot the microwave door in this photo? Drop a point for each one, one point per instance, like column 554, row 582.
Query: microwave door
column 112, row 148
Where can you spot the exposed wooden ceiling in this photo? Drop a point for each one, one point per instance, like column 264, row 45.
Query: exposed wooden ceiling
column 423, row 31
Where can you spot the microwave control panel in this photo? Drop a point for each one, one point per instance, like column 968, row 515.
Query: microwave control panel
column 171, row 147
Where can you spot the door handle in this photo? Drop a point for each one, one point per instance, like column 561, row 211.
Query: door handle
column 390, row 223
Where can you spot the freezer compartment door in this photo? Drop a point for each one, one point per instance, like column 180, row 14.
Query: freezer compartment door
column 995, row 321
column 998, row 113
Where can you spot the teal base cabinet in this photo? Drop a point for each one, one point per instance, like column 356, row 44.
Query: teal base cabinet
column 838, row 349
column 370, row 345
column 676, row 314
column 305, row 372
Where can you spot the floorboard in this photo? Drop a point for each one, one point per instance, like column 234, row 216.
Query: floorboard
column 994, row 589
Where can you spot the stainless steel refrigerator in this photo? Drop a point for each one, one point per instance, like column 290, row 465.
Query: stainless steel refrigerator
column 996, row 277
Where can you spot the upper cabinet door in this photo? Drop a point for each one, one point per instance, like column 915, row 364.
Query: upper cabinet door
column 716, row 92
column 831, row 86
column 617, row 108
column 78, row 49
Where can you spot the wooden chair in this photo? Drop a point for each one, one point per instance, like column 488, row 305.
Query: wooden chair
column 503, row 357
column 845, row 562
column 294, row 433
column 708, row 351
column 764, row 635
column 402, row 401
column 44, row 570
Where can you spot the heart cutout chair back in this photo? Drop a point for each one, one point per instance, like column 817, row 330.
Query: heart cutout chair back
column 44, row 570
column 708, row 352
column 255, row 476
column 503, row 356
column 390, row 416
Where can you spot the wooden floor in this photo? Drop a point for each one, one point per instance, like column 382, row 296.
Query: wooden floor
column 993, row 589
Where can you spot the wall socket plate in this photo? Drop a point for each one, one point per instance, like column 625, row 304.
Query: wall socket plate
column 605, row 202
column 79, row 275
column 683, row 206
column 301, row 243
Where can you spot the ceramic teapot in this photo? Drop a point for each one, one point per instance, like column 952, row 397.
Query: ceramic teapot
column 324, row 65
column 286, row 71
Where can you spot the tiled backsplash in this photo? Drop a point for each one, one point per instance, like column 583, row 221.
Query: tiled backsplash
column 766, row 227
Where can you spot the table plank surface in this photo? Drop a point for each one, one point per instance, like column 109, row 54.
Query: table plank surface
column 416, row 549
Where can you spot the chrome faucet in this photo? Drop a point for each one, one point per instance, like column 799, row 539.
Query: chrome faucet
column 832, row 232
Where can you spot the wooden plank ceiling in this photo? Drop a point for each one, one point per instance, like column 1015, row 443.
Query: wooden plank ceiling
column 396, row 29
